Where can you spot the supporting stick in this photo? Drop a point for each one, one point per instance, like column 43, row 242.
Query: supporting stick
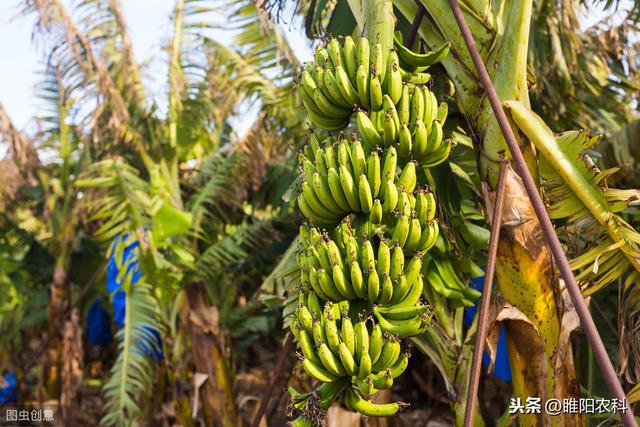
column 415, row 25
column 286, row 349
column 599, row 351
column 483, row 313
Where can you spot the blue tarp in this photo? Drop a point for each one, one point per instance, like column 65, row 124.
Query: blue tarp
column 501, row 369
column 98, row 324
column 8, row 394
column 152, row 342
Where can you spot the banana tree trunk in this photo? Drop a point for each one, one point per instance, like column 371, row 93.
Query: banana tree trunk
column 209, row 358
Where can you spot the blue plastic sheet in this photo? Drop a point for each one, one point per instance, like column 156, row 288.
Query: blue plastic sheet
column 501, row 369
column 98, row 324
column 151, row 344
column 9, row 393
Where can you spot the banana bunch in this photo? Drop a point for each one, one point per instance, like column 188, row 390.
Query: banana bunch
column 348, row 75
column 345, row 76
column 333, row 348
column 342, row 178
column 370, row 219
column 348, row 267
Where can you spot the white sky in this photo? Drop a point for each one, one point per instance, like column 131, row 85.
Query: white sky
column 149, row 24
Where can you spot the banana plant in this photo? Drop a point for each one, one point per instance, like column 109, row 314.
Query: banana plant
column 524, row 269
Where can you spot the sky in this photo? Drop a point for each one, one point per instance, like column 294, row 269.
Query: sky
column 149, row 24
column 149, row 27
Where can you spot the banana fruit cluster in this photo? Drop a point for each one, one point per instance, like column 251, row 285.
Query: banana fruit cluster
column 336, row 349
column 342, row 178
column 348, row 267
column 345, row 78
column 370, row 219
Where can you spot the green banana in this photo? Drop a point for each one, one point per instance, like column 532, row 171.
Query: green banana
column 330, row 362
column 331, row 331
column 417, row 106
column 333, row 253
column 314, row 203
column 390, row 164
column 341, row 283
column 414, row 294
column 357, row 280
column 368, row 408
column 362, row 85
column 323, row 193
column 375, row 217
column 413, row 269
column 375, row 92
column 373, row 173
column 390, row 196
column 402, row 313
column 327, row 285
column 421, row 59
column 404, row 106
column 439, row 156
column 306, row 345
column 373, row 285
column 390, row 132
column 358, row 158
column 364, row 194
column 394, row 78
column 441, row 114
column 351, row 62
column 386, row 289
column 401, row 230
column 332, row 91
column 415, row 233
column 376, row 343
column 390, row 352
column 367, row 256
column 320, row 56
column 335, row 52
column 405, row 142
column 402, row 328
column 348, row 362
column 420, row 78
column 435, row 138
column 328, row 106
column 304, row 317
column 312, row 215
column 349, row 188
column 318, row 333
column 361, row 339
column 399, row 367
column 318, row 372
column 335, row 187
column 367, row 130
column 420, row 139
column 384, row 380
column 348, row 92
column 364, row 366
column 314, row 279
column 429, row 236
column 347, row 332
column 321, row 162
column 327, row 123
column 397, row 262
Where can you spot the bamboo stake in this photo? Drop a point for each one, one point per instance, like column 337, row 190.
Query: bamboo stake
column 599, row 351
column 415, row 25
column 483, row 313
